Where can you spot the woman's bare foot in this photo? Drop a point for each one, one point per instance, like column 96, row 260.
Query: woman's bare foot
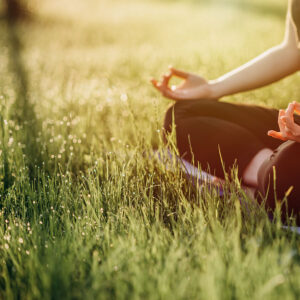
column 250, row 173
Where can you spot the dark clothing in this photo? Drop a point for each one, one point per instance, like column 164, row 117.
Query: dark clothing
column 239, row 131
column 205, row 129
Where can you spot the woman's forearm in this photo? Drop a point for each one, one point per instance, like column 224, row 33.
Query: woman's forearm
column 271, row 66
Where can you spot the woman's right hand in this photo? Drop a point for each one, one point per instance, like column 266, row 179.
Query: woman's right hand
column 289, row 130
column 193, row 87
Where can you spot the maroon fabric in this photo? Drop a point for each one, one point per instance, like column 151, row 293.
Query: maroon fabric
column 203, row 127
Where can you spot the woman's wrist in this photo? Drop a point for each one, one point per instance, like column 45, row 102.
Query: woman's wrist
column 216, row 89
column 225, row 86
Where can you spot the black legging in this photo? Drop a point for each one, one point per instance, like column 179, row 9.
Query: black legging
column 205, row 129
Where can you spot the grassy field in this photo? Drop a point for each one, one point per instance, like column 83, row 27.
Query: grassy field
column 85, row 213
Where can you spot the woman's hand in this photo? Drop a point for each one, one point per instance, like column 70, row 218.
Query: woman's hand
column 193, row 87
column 289, row 130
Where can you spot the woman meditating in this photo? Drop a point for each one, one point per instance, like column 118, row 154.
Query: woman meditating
column 263, row 143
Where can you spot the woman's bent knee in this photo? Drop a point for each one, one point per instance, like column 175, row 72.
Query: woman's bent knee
column 179, row 110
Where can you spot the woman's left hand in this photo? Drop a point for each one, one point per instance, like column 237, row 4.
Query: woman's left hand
column 289, row 130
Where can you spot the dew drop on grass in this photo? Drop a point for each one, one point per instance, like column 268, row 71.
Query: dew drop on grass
column 124, row 97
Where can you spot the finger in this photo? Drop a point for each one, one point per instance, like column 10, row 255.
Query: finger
column 159, row 87
column 288, row 133
column 165, row 91
column 174, row 94
column 281, row 123
column 179, row 73
column 166, row 78
column 289, row 112
column 276, row 135
column 289, row 123
column 171, row 95
column 281, row 112
column 285, row 134
column 296, row 107
column 155, row 84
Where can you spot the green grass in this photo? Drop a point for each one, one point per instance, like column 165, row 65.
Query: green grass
column 85, row 213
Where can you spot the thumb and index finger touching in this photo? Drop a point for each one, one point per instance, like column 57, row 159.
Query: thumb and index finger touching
column 281, row 124
column 172, row 72
column 163, row 86
column 285, row 121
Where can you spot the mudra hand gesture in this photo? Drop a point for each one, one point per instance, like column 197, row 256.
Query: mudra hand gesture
column 193, row 86
column 289, row 130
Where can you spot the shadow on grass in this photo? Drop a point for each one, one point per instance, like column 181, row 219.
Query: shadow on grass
column 22, row 111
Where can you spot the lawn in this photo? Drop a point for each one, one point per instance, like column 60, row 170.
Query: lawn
column 85, row 211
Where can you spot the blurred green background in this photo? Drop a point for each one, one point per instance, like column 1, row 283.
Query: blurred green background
column 80, row 57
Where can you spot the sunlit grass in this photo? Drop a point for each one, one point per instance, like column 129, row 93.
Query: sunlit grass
column 86, row 211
